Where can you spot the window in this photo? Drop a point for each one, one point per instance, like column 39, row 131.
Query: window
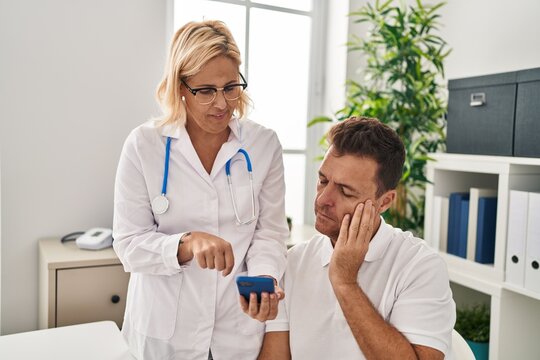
column 279, row 63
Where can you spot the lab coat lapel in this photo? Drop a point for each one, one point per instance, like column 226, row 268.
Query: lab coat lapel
column 227, row 151
column 188, row 151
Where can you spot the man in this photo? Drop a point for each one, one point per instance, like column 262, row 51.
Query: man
column 363, row 289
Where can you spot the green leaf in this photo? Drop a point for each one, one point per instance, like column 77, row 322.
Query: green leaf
column 473, row 322
column 403, row 61
column 319, row 119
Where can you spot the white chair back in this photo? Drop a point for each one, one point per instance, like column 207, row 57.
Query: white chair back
column 460, row 350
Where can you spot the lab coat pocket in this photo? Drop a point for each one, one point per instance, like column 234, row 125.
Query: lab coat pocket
column 247, row 209
column 155, row 304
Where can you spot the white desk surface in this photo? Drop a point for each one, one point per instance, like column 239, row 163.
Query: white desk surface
column 99, row 340
column 301, row 233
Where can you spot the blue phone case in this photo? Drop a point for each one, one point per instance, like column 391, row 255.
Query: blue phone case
column 248, row 284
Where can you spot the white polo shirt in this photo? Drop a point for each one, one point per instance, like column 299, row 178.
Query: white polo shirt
column 404, row 279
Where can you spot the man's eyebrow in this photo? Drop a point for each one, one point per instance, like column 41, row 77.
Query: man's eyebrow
column 321, row 174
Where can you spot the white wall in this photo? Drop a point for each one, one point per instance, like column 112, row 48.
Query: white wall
column 487, row 36
column 76, row 76
column 0, row 238
column 491, row 36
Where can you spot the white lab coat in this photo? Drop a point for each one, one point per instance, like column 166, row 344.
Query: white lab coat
column 180, row 312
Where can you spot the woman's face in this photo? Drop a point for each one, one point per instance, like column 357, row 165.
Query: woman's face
column 211, row 118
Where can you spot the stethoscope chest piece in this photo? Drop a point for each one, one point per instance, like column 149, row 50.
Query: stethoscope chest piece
column 160, row 204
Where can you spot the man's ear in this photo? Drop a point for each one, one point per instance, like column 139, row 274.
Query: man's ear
column 386, row 200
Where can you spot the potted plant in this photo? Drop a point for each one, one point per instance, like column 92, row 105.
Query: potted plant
column 472, row 323
column 400, row 86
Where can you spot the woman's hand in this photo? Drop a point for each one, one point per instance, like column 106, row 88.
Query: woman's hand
column 267, row 309
column 210, row 251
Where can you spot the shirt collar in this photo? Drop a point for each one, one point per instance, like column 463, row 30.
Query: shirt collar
column 174, row 130
column 170, row 130
column 236, row 129
column 376, row 250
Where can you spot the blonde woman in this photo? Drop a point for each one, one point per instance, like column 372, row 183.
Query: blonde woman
column 199, row 200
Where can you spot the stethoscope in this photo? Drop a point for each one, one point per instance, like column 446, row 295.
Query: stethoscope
column 160, row 204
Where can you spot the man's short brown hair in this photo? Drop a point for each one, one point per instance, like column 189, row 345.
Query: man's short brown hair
column 368, row 137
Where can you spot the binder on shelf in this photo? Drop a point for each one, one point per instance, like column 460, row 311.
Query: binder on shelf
column 458, row 216
column 463, row 227
column 475, row 194
column 439, row 229
column 443, row 242
column 436, row 223
column 485, row 236
column 532, row 250
column 518, row 209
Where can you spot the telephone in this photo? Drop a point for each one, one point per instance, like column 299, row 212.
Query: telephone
column 95, row 239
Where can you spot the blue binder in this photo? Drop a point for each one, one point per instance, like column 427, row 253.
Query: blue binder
column 458, row 219
column 485, row 231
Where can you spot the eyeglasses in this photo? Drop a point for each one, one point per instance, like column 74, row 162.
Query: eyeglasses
column 207, row 95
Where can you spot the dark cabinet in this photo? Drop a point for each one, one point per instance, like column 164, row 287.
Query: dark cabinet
column 495, row 114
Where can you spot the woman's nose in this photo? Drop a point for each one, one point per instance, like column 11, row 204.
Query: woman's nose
column 220, row 101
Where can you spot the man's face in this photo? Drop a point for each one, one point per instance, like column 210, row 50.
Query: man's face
column 344, row 182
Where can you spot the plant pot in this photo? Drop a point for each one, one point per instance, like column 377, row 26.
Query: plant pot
column 479, row 349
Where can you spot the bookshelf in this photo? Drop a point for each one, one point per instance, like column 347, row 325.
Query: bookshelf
column 515, row 311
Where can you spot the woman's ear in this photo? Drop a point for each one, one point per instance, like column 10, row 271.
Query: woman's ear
column 386, row 200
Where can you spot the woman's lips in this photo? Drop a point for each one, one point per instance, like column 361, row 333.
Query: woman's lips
column 219, row 116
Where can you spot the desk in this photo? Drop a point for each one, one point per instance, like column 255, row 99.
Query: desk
column 99, row 340
column 79, row 286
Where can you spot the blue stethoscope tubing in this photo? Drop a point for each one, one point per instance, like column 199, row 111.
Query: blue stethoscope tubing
column 231, row 189
column 160, row 204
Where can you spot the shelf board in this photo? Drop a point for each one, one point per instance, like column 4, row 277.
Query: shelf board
column 522, row 291
column 460, row 160
column 481, row 277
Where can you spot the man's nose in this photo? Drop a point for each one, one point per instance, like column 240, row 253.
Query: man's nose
column 326, row 196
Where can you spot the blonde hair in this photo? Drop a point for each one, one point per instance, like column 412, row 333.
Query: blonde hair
column 193, row 45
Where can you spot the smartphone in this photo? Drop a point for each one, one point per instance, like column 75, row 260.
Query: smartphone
column 248, row 284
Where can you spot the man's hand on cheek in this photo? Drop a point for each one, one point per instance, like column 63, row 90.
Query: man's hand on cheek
column 352, row 244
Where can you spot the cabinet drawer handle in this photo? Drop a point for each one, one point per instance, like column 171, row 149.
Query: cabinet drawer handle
column 115, row 299
column 478, row 99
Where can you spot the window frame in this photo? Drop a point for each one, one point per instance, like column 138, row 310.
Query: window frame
column 316, row 82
